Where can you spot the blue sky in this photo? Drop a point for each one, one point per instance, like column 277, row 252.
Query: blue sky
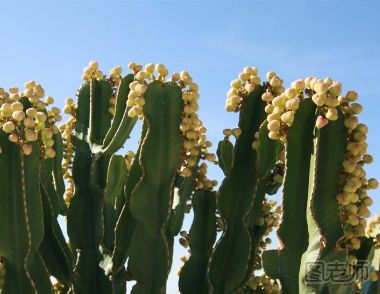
column 52, row 41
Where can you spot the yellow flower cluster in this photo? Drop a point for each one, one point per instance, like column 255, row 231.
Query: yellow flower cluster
column 115, row 75
column 353, row 198
column 281, row 105
column 115, row 80
column 192, row 130
column 31, row 123
column 92, row 72
column 67, row 130
column 241, row 87
column 138, row 87
column 269, row 216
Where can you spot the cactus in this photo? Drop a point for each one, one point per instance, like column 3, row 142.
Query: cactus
column 124, row 208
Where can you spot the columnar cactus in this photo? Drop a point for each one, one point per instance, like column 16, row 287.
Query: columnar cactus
column 124, row 211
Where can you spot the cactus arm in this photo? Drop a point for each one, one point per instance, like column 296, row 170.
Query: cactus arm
column 53, row 249
column 236, row 195
column 284, row 264
column 152, row 197
column 100, row 118
column 267, row 151
column 126, row 224
column 83, row 111
column 84, row 224
column 225, row 154
column 122, row 124
column 324, row 225
column 117, row 172
column 201, row 237
column 21, row 220
column 58, row 181
column 184, row 193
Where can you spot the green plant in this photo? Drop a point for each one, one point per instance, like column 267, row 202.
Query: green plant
column 124, row 212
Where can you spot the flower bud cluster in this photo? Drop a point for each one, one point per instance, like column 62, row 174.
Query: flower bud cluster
column 115, row 80
column 325, row 94
column 143, row 77
column 92, row 72
column 67, row 131
column 269, row 216
column 354, row 185
column 241, row 87
column 115, row 75
column 27, row 124
column 192, row 130
column 263, row 284
column 281, row 105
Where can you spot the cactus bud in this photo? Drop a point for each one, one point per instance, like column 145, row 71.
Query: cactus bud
column 352, row 96
column 321, row 122
column 236, row 84
column 267, row 96
column 27, row 149
column 270, row 75
column 274, row 125
column 13, row 138
column 299, row 85
column 31, row 112
column 227, row 132
column 373, row 183
column 17, row 106
column 9, row 127
column 332, row 114
column 18, row 115
column 236, row 132
column 356, row 108
column 274, row 135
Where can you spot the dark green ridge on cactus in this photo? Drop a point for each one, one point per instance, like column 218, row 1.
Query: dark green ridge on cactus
column 116, row 175
column 122, row 124
column 151, row 199
column 47, row 181
column 186, row 188
column 267, row 153
column 126, row 224
column 225, row 154
column 89, row 277
column 100, row 118
column 82, row 117
column 192, row 279
column 284, row 264
column 324, row 225
column 58, row 181
column 85, row 223
column 21, row 222
column 256, row 231
column 230, row 259
column 53, row 249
